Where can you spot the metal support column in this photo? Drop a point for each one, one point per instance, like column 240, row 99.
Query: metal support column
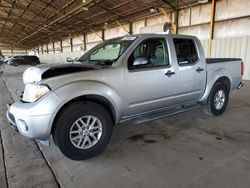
column 71, row 44
column 176, row 15
column 130, row 28
column 145, row 22
column 103, row 34
column 211, row 34
column 61, row 47
column 53, row 45
column 84, row 42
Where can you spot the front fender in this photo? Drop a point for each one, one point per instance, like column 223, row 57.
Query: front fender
column 212, row 78
column 74, row 90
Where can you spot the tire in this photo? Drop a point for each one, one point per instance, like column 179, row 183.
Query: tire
column 66, row 124
column 217, row 108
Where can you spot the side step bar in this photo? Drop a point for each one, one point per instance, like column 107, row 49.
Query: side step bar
column 162, row 114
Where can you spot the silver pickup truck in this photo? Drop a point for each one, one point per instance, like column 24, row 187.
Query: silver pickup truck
column 137, row 78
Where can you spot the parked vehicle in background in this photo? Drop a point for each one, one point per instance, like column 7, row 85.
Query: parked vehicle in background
column 9, row 58
column 24, row 60
column 2, row 59
column 139, row 78
column 1, row 63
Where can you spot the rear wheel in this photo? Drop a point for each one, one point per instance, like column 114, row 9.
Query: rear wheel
column 83, row 130
column 218, row 100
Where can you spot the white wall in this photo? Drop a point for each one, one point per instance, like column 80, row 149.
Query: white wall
column 236, row 47
column 59, row 57
column 232, row 19
column 116, row 32
column 14, row 52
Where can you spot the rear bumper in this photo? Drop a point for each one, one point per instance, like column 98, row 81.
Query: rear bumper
column 241, row 84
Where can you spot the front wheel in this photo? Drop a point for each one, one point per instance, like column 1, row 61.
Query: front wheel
column 83, row 129
column 218, row 100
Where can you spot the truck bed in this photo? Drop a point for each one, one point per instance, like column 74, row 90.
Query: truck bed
column 229, row 67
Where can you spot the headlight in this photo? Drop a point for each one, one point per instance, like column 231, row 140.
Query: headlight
column 33, row 92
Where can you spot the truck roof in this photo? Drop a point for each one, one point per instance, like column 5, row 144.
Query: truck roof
column 156, row 34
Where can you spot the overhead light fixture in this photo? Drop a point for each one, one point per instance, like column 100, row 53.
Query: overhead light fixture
column 154, row 10
column 105, row 25
column 84, row 1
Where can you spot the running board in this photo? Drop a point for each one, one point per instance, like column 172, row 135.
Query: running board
column 162, row 114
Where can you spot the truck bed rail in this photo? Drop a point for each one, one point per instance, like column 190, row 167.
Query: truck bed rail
column 221, row 60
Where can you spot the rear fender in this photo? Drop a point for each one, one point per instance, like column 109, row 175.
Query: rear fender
column 212, row 79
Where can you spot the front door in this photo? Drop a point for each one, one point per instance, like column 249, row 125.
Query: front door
column 149, row 86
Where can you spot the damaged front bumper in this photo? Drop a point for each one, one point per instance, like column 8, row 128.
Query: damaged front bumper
column 33, row 120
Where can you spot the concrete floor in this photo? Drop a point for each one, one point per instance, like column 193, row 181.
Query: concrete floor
column 186, row 150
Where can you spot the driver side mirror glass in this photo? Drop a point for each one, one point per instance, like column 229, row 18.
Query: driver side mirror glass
column 140, row 61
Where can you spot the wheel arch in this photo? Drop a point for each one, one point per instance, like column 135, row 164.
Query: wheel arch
column 210, row 85
column 88, row 98
column 225, row 80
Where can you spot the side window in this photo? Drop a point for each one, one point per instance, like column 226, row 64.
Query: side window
column 150, row 53
column 185, row 51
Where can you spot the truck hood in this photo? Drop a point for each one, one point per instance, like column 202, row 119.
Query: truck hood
column 38, row 73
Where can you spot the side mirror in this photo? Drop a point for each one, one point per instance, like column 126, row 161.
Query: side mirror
column 69, row 59
column 140, row 61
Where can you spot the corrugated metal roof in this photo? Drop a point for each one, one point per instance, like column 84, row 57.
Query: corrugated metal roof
column 27, row 23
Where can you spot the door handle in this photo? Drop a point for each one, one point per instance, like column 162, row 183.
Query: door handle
column 199, row 69
column 169, row 73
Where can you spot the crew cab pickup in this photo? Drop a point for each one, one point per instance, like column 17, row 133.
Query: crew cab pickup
column 135, row 77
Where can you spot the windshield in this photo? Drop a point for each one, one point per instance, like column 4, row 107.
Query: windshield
column 107, row 52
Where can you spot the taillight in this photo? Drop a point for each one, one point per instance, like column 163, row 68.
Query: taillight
column 242, row 68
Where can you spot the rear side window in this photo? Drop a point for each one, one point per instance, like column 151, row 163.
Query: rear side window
column 185, row 51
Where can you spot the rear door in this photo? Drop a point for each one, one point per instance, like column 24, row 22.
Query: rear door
column 191, row 77
column 151, row 86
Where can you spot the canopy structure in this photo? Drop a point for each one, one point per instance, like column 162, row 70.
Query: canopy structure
column 27, row 23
